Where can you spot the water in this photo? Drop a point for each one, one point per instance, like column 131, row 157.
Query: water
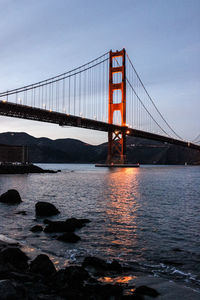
column 147, row 218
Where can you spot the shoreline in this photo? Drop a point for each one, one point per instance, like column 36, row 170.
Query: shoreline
column 32, row 282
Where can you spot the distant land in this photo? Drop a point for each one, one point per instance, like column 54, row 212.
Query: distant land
column 45, row 150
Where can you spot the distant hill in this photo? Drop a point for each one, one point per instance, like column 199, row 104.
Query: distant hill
column 74, row 151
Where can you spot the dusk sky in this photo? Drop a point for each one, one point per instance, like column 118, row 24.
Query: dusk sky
column 39, row 39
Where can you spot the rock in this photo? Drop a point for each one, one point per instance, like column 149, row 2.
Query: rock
column 69, row 237
column 74, row 293
column 59, row 226
column 11, row 197
column 15, row 257
column 99, row 291
column 47, row 221
column 77, row 223
column 95, row 262
column 42, row 265
column 145, row 290
column 46, row 209
column 71, row 276
column 7, row 290
column 100, row 265
column 64, row 226
column 5, row 268
column 69, row 282
column 115, row 266
column 36, row 228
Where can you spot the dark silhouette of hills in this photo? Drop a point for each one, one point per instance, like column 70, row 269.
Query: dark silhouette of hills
column 74, row 151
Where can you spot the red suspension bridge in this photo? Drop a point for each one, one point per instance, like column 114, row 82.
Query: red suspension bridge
column 104, row 94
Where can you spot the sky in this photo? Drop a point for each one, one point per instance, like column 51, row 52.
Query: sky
column 42, row 38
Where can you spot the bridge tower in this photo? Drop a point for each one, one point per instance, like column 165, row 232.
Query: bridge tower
column 116, row 138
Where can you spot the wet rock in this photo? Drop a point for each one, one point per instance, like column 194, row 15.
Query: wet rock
column 64, row 226
column 8, row 290
column 77, row 223
column 36, row 228
column 115, row 266
column 46, row 209
column 95, row 262
column 59, row 226
column 69, row 237
column 100, row 265
column 11, row 197
column 72, row 276
column 15, row 257
column 42, row 265
column 145, row 290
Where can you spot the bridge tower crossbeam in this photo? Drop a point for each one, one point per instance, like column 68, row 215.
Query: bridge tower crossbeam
column 117, row 139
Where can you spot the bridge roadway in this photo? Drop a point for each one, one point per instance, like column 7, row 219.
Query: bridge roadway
column 37, row 114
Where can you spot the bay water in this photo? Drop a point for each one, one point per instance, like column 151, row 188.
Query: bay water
column 147, row 218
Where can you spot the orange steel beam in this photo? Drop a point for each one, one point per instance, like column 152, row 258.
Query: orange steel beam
column 117, row 141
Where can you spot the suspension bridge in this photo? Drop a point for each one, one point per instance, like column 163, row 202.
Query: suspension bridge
column 104, row 94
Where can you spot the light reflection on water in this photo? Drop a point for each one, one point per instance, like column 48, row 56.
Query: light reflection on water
column 119, row 279
column 138, row 215
column 121, row 196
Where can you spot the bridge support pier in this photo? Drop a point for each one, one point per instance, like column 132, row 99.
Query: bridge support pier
column 116, row 147
column 117, row 139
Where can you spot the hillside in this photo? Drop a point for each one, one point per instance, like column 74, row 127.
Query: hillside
column 75, row 151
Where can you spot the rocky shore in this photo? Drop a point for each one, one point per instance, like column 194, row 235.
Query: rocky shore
column 22, row 169
column 22, row 278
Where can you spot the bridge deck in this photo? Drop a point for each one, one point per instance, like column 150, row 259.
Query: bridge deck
column 31, row 113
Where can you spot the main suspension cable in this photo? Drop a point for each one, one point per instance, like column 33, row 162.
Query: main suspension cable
column 52, row 79
column 152, row 100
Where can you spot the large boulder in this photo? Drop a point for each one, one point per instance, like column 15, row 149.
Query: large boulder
column 14, row 256
column 69, row 237
column 42, row 265
column 45, row 209
column 11, row 197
